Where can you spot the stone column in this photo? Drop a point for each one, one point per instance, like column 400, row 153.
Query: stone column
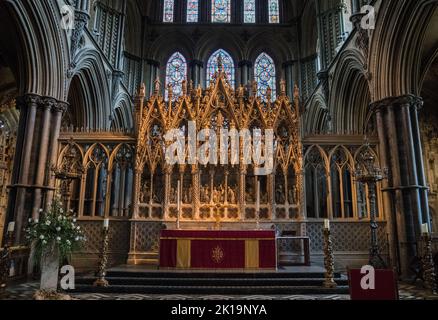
column 288, row 67
column 135, row 192
column 37, row 141
column 196, row 67
column 245, row 72
column 153, row 67
column 167, row 186
column 242, row 191
column 195, row 191
column 57, row 112
column 397, row 125
column 42, row 156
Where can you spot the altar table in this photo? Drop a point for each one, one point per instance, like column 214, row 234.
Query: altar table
column 189, row 249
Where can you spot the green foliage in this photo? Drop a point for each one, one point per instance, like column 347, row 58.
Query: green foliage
column 55, row 227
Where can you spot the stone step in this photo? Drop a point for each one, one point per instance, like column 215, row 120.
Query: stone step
column 212, row 281
column 217, row 275
column 230, row 290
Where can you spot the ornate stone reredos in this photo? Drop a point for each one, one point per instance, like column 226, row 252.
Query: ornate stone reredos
column 239, row 108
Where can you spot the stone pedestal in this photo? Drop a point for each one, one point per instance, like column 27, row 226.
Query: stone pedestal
column 49, row 269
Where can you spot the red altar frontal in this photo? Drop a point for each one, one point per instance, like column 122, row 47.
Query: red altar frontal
column 189, row 249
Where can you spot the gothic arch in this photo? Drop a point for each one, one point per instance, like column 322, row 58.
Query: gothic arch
column 122, row 112
column 211, row 42
column 133, row 28
column 167, row 44
column 395, row 62
column 270, row 43
column 95, row 86
column 350, row 95
column 317, row 119
column 309, row 33
column 42, row 50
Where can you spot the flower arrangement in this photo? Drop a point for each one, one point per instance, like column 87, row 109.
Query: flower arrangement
column 55, row 229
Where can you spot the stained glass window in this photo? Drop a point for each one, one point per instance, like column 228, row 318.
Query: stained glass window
column 176, row 73
column 192, row 10
column 274, row 11
column 221, row 11
column 265, row 76
column 227, row 62
column 168, row 10
column 249, row 12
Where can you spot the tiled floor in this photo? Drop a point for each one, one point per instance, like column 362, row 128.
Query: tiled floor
column 26, row 291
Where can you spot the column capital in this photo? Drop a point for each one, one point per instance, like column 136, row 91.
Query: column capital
column 153, row 62
column 196, row 63
column 28, row 99
column 289, row 63
column 41, row 102
column 245, row 63
column 409, row 99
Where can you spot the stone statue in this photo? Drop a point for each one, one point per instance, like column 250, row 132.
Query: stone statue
column 283, row 87
column 249, row 195
column 254, row 88
column 157, row 85
column 186, row 196
column 144, row 193
column 190, row 194
column 231, row 195
column 172, row 197
column 279, row 194
column 206, row 195
column 240, row 91
column 142, row 92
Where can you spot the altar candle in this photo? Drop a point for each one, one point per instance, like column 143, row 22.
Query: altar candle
column 11, row 226
column 327, row 224
column 106, row 223
column 258, row 197
column 178, row 198
column 425, row 228
column 178, row 203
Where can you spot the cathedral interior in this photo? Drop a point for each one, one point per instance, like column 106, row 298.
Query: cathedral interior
column 89, row 88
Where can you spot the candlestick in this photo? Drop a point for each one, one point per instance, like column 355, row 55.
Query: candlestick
column 258, row 205
column 326, row 224
column 428, row 263
column 425, row 228
column 329, row 260
column 11, row 226
column 106, row 223
column 178, row 209
column 101, row 281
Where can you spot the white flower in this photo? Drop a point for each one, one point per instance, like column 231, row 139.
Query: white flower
column 40, row 210
column 61, row 210
column 44, row 242
column 74, row 220
column 78, row 228
column 48, row 222
column 58, row 239
column 59, row 218
column 30, row 220
column 77, row 238
column 41, row 237
column 58, row 229
column 36, row 221
column 68, row 242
